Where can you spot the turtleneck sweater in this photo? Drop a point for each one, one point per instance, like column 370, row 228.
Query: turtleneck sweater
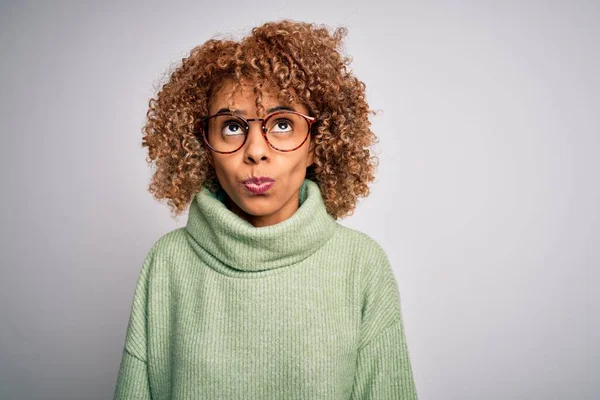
column 303, row 309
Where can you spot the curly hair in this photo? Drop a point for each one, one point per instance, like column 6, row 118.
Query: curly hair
column 304, row 62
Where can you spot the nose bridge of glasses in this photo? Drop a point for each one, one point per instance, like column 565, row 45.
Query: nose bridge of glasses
column 260, row 125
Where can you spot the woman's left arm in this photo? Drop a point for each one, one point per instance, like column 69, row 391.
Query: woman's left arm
column 383, row 369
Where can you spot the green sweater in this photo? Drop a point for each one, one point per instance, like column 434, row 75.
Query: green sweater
column 303, row 309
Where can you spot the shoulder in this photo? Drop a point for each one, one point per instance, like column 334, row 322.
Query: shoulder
column 369, row 259
column 365, row 247
column 169, row 243
column 167, row 247
column 375, row 269
column 378, row 292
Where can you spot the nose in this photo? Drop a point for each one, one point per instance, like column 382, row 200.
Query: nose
column 256, row 147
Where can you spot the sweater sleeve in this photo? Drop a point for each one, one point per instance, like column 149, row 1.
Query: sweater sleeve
column 132, row 382
column 383, row 368
column 132, row 379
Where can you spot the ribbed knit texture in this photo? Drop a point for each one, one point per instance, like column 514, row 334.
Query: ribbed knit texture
column 303, row 309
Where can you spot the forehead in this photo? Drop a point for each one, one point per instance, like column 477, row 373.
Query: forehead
column 244, row 97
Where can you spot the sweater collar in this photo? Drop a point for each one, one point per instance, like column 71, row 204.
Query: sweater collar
column 235, row 244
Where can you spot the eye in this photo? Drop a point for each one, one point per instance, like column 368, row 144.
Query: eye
column 231, row 128
column 282, row 125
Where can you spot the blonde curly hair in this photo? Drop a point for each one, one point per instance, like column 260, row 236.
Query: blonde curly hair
column 304, row 62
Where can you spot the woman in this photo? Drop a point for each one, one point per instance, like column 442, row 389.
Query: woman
column 263, row 295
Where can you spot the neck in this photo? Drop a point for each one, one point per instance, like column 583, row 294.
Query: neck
column 286, row 211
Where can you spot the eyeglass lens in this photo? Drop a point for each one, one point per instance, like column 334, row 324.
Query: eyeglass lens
column 285, row 131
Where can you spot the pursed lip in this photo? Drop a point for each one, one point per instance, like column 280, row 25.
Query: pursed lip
column 257, row 180
column 259, row 188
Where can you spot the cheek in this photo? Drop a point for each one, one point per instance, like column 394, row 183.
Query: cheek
column 300, row 162
column 228, row 168
column 221, row 162
column 288, row 163
column 221, row 167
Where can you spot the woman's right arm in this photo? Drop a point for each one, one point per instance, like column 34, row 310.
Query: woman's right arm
column 133, row 381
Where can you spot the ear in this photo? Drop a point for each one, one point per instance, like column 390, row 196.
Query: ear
column 210, row 159
column 310, row 158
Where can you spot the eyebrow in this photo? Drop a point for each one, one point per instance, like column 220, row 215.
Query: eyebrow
column 269, row 111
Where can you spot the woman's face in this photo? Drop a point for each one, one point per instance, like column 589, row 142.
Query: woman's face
column 257, row 158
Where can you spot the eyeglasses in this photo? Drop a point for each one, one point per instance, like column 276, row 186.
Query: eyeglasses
column 283, row 130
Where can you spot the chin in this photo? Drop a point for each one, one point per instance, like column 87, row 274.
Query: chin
column 256, row 210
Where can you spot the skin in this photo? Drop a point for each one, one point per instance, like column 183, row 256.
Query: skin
column 257, row 158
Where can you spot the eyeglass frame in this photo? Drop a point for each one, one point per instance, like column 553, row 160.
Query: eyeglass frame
column 310, row 120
